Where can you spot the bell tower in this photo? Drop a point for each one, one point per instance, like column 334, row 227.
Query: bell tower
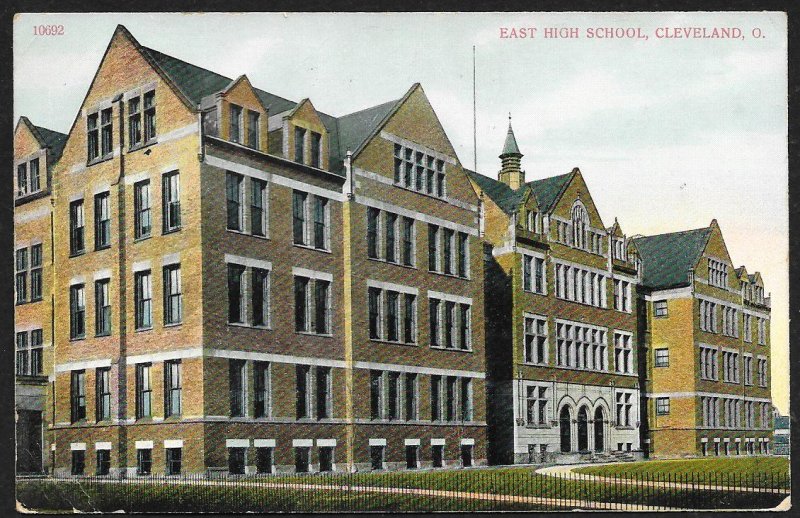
column 511, row 173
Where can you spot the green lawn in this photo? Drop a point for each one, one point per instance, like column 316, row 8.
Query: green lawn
column 757, row 471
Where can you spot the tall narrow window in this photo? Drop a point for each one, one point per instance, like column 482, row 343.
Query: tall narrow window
column 106, row 132
column 301, row 316
column 235, row 294
column 299, row 217
column 465, row 398
column 303, row 382
column 253, row 119
column 174, row 457
column 233, row 195
column 173, row 297
column 374, row 313
column 449, row 324
column 103, row 394
column 149, row 115
column 77, row 305
column 22, row 179
column 236, row 123
column 102, row 318
column 36, row 272
column 392, row 315
column 316, row 149
column 408, row 241
column 237, row 376
column 78, row 462
column 92, row 137
column 448, row 250
column 410, row 319
column 299, row 145
column 261, row 301
column 143, row 294
column 539, row 278
column 36, row 367
column 262, row 388
column 434, row 305
column 391, row 241
column 323, row 392
column 440, row 187
column 372, row 232
column 144, row 461
column 102, row 221
column 464, row 331
column 78, row 395
column 433, row 248
column 172, row 201
column 376, row 394
column 463, row 253
column 450, row 398
column 410, row 396
column 22, row 353
column 320, row 223
column 141, row 201
column 436, row 398
column 21, row 278
column 134, row 122
column 144, row 391
column 321, row 307
column 258, row 205
column 76, row 227
column 172, row 388
column 35, row 179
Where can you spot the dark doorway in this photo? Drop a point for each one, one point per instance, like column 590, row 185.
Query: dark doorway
column 599, row 430
column 29, row 441
column 566, row 430
column 583, row 429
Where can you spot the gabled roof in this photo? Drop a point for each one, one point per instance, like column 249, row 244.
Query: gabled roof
column 47, row 138
column 356, row 127
column 546, row 191
column 667, row 258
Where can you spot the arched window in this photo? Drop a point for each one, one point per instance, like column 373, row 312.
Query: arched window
column 579, row 223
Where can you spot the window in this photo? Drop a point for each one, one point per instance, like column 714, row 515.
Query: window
column 449, row 236
column 464, row 332
column 173, row 461
column 450, row 407
column 662, row 406
column 141, row 213
column 77, row 313
column 581, row 347
column 412, row 456
column 622, row 295
column 748, row 329
column 22, row 353
column 374, row 295
column 234, row 193
column 172, row 202
column 391, row 240
column 463, row 254
column 258, row 205
column 410, row 396
column 172, row 388
column 623, row 353
column 144, row 391
column 466, row 455
column 410, row 318
column 730, row 366
column 624, row 408
column 149, row 115
column 717, row 273
column 144, row 461
column 102, row 319
column 236, row 123
column 533, row 274
column 236, row 461
column 264, row 459
column 312, row 314
column 748, row 369
column 762, row 331
column 324, row 393
column 173, row 299
column 436, row 398
column 253, row 118
column 303, row 385
column 536, row 405
column 372, row 232
column 76, row 228
column 436, row 326
column 262, row 387
column 106, row 132
column 92, row 137
column 316, row 214
column 22, row 179
column 661, row 357
column 708, row 363
column 78, row 462
column 236, row 304
column 134, row 122
column 376, row 395
column 408, row 241
column 237, row 377
column 376, row 454
column 392, row 316
column 316, row 149
column 320, row 223
column 261, row 302
column 762, row 372
column 29, row 357
column 433, row 248
column 395, row 393
column 302, row 458
column 535, row 340
column 143, row 293
column 453, row 329
column 465, row 398
column 580, row 222
column 584, row 286
column 437, row 455
column 416, row 169
column 299, row 145
column 78, row 396
column 36, row 272
column 21, row 277
column 449, row 320
column 103, row 394
column 660, row 309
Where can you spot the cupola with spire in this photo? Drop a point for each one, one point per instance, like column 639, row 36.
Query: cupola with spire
column 511, row 172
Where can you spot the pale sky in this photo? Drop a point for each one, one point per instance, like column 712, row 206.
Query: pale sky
column 669, row 133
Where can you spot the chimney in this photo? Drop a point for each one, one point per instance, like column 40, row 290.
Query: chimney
column 511, row 173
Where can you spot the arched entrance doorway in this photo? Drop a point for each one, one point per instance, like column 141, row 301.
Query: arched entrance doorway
column 566, row 432
column 599, row 429
column 583, row 429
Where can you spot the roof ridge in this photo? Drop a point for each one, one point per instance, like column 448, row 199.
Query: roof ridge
column 676, row 232
column 188, row 63
column 369, row 108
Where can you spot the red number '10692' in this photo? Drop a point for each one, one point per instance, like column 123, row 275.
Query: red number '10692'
column 48, row 30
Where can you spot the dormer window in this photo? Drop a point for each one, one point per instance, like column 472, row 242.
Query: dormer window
column 22, row 179
column 149, row 116
column 579, row 220
column 316, row 149
column 533, row 222
column 253, row 118
column 299, row 144
column 236, row 124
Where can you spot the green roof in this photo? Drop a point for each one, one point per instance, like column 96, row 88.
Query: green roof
column 667, row 258
column 346, row 133
column 510, row 147
column 55, row 140
column 545, row 191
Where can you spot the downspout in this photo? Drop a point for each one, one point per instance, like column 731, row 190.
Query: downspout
column 347, row 254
